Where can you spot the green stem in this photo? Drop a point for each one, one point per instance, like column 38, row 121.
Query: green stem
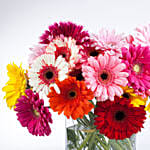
column 102, row 143
column 85, row 141
column 98, row 146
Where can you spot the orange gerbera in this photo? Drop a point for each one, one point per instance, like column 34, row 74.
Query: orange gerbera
column 73, row 98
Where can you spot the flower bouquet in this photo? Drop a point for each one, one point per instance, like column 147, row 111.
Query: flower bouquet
column 101, row 81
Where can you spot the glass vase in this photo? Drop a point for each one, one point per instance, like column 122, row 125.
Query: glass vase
column 81, row 134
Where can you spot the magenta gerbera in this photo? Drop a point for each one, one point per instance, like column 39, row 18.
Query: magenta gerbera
column 33, row 115
column 104, row 76
column 66, row 29
column 137, row 59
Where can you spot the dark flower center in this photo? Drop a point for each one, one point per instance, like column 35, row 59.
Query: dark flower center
column 63, row 55
column 49, row 75
column 119, row 115
column 126, row 95
column 72, row 94
column 94, row 53
column 104, row 76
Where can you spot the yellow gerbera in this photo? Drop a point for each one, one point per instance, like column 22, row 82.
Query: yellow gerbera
column 136, row 100
column 16, row 85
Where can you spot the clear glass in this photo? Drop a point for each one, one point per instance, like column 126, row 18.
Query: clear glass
column 81, row 136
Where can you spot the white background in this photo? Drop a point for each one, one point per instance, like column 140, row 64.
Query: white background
column 23, row 21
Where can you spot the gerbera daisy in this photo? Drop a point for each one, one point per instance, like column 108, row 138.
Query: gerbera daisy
column 45, row 70
column 104, row 76
column 136, row 100
column 66, row 29
column 16, row 85
column 109, row 41
column 119, row 119
column 65, row 47
column 33, row 115
column 73, row 98
column 92, row 50
column 142, row 35
column 37, row 51
column 137, row 62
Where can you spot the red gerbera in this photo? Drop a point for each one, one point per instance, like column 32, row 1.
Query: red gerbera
column 66, row 29
column 73, row 98
column 119, row 119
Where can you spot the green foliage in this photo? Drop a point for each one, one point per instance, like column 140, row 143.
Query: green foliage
column 84, row 136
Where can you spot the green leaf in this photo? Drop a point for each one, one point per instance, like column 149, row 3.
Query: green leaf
column 80, row 121
column 115, row 145
column 85, row 141
column 86, row 120
column 92, row 141
column 105, row 146
column 71, row 136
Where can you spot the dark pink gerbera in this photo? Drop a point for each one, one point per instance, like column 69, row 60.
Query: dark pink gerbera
column 33, row 115
column 137, row 60
column 66, row 29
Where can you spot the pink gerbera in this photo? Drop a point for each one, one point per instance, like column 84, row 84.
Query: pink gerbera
column 110, row 42
column 104, row 76
column 142, row 35
column 37, row 51
column 33, row 115
column 137, row 60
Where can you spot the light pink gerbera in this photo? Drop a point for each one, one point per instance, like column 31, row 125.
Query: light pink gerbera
column 37, row 51
column 110, row 42
column 142, row 35
column 137, row 60
column 33, row 115
column 104, row 76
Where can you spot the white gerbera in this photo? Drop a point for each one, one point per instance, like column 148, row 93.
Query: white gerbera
column 45, row 70
column 67, row 48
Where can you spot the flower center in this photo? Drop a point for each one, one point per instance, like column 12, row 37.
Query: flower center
column 36, row 113
column 137, row 68
column 104, row 76
column 94, row 53
column 119, row 116
column 72, row 94
column 126, row 95
column 63, row 55
column 49, row 75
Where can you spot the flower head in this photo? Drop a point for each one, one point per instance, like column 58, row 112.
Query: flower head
column 33, row 115
column 65, row 47
column 142, row 35
column 110, row 42
column 119, row 119
column 65, row 29
column 45, row 70
column 104, row 76
column 73, row 98
column 137, row 59
column 16, row 85
column 37, row 51
column 136, row 100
